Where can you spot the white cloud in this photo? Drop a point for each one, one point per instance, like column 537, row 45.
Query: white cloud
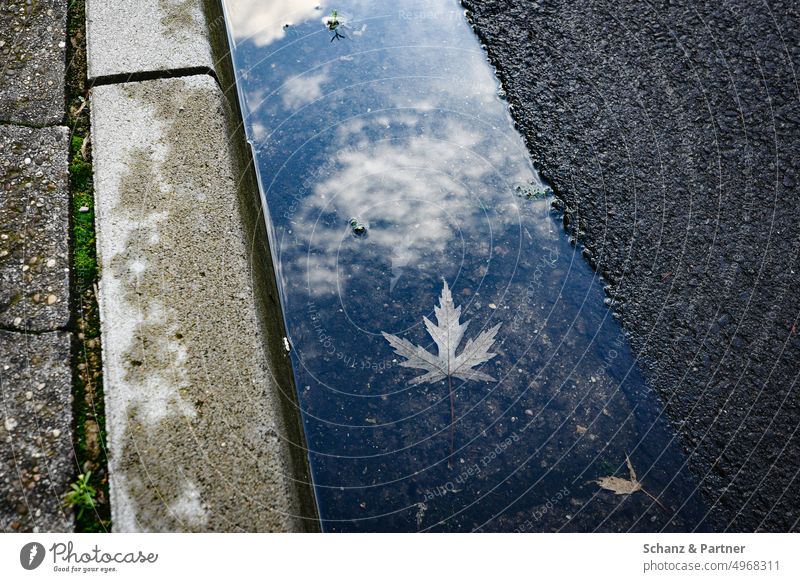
column 301, row 90
column 263, row 22
column 423, row 189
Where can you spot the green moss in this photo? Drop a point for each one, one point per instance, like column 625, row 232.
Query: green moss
column 89, row 409
column 80, row 171
column 84, row 255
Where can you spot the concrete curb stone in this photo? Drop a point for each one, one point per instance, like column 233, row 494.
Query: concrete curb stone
column 196, row 439
column 124, row 38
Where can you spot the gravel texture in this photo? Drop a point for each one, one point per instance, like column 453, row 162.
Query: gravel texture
column 32, row 54
column 669, row 131
column 34, row 226
column 36, row 459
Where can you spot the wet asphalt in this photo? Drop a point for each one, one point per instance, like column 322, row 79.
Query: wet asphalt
column 670, row 133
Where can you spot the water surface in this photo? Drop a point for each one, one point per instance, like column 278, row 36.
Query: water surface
column 389, row 164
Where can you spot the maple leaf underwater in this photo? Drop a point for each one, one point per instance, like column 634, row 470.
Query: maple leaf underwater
column 447, row 333
column 620, row 486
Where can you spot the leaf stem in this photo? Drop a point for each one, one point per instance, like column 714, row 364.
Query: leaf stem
column 654, row 498
column 452, row 420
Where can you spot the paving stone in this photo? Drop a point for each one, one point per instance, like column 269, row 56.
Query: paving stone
column 196, row 437
column 34, row 228
column 124, row 37
column 36, row 457
column 32, row 60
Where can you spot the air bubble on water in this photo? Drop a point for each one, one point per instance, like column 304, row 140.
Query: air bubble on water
column 358, row 228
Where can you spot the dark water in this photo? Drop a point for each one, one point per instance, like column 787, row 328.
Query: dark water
column 389, row 163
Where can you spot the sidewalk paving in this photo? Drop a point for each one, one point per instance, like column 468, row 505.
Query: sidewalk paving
column 32, row 50
column 199, row 433
column 36, row 458
column 36, row 454
column 34, row 220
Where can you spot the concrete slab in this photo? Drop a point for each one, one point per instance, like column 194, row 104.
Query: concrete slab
column 192, row 403
column 124, row 37
column 34, row 228
column 32, row 57
column 36, row 457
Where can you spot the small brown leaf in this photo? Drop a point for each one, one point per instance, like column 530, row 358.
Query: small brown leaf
column 581, row 429
column 622, row 486
column 630, row 469
column 619, row 485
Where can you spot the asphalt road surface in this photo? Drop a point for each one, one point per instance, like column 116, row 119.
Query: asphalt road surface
column 670, row 134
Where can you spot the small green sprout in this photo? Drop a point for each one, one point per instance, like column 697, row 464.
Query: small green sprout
column 81, row 494
column 334, row 25
column 333, row 20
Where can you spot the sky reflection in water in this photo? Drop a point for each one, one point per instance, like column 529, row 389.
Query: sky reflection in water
column 398, row 125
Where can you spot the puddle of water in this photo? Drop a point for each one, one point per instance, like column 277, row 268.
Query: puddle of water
column 389, row 164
